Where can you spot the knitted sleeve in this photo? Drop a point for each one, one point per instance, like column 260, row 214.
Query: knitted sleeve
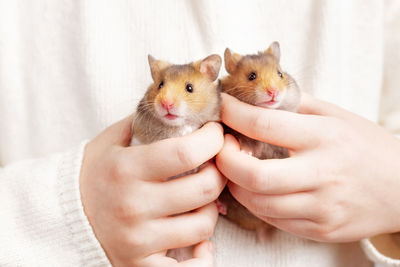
column 42, row 222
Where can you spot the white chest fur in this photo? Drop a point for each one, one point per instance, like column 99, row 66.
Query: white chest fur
column 187, row 129
column 135, row 142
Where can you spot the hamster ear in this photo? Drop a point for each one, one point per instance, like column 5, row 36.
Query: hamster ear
column 210, row 66
column 156, row 66
column 274, row 50
column 231, row 60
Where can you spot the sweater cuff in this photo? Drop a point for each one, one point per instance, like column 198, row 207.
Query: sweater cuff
column 82, row 235
column 376, row 256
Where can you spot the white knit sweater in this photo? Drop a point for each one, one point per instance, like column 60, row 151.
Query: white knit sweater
column 68, row 69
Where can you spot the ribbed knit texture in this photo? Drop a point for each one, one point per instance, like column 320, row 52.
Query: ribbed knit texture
column 376, row 256
column 239, row 247
column 70, row 68
column 42, row 219
column 81, row 232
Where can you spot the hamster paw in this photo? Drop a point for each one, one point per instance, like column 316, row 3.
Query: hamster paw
column 221, row 207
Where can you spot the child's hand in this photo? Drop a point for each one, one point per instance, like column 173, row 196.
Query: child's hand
column 340, row 183
column 130, row 202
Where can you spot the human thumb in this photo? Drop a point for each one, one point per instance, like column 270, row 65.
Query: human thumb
column 118, row 133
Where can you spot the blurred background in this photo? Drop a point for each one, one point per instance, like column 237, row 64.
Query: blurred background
column 89, row 58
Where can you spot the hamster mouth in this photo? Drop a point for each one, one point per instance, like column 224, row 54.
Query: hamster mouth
column 268, row 104
column 170, row 116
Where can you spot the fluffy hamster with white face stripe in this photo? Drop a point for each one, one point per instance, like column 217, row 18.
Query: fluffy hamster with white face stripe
column 260, row 81
column 180, row 100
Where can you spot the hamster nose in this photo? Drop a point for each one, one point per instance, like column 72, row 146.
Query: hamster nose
column 167, row 104
column 272, row 92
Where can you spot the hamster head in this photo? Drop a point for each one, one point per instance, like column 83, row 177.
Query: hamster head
column 259, row 79
column 185, row 94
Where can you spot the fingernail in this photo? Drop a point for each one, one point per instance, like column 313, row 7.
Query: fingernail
column 210, row 247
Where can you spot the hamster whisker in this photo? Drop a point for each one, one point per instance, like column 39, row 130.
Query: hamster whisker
column 229, row 90
column 247, row 97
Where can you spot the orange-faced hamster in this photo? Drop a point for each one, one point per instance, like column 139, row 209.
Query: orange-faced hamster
column 257, row 80
column 180, row 100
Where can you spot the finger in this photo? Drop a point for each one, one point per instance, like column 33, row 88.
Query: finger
column 311, row 105
column 272, row 176
column 202, row 256
column 297, row 205
column 157, row 260
column 170, row 157
column 300, row 227
column 119, row 133
column 180, row 231
column 278, row 127
column 197, row 190
column 204, row 250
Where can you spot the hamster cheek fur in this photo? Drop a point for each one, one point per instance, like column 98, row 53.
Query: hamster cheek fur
column 180, row 100
column 258, row 80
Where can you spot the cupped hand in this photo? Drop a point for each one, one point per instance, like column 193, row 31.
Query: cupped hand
column 137, row 214
column 340, row 183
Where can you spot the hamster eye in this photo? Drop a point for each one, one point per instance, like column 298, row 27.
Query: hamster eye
column 161, row 85
column 280, row 74
column 252, row 76
column 189, row 88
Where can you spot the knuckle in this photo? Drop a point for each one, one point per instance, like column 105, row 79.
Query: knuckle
column 329, row 227
column 254, row 205
column 119, row 168
column 129, row 212
column 209, row 191
column 207, row 229
column 260, row 124
column 326, row 232
column 185, row 155
column 134, row 240
column 320, row 212
column 210, row 188
column 263, row 208
column 257, row 179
